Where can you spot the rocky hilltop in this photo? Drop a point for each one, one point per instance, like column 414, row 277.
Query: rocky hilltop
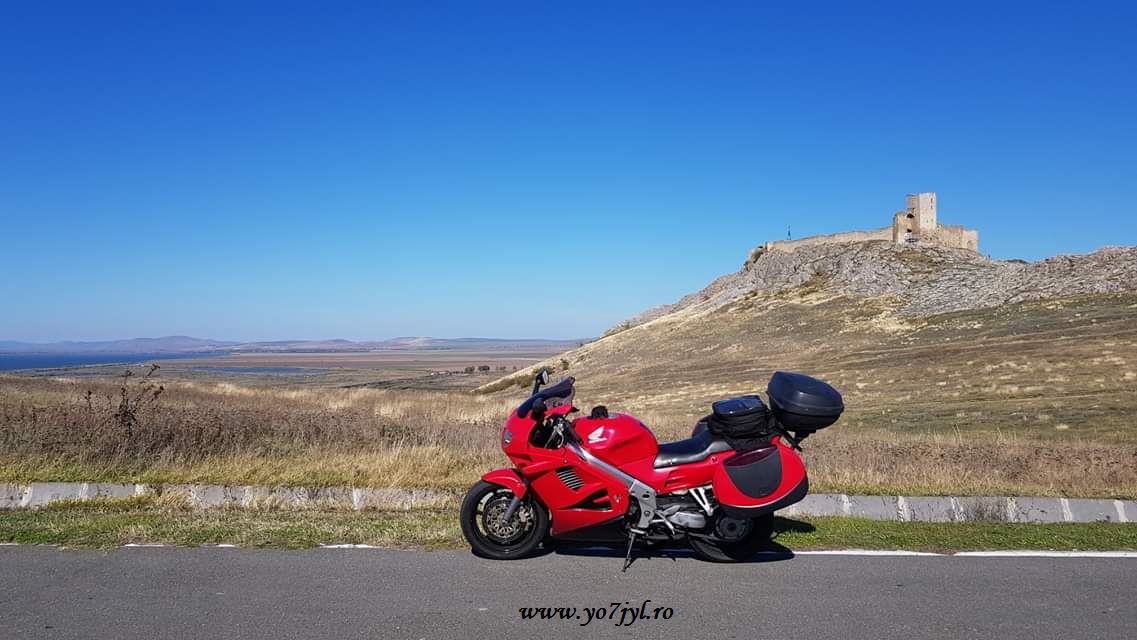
column 927, row 279
column 915, row 337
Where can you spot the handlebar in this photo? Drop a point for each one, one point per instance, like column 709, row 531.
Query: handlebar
column 559, row 426
column 565, row 428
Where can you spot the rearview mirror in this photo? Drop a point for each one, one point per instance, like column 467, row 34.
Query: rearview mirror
column 541, row 379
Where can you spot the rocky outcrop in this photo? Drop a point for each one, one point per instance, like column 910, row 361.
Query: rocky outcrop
column 926, row 279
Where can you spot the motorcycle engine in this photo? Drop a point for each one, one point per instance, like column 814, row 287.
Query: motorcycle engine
column 685, row 518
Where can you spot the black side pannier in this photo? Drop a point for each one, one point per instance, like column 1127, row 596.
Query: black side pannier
column 803, row 404
column 739, row 420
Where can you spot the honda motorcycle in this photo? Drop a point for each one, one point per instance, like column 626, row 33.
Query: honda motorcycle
column 605, row 479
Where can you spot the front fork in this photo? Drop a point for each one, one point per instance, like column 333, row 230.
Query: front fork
column 509, row 511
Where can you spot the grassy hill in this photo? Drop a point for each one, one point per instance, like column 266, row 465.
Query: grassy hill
column 1044, row 366
column 1047, row 365
column 1028, row 374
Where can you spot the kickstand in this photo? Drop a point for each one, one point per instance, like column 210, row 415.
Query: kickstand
column 628, row 554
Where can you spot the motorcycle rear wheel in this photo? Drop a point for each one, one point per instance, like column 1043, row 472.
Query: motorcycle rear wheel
column 713, row 550
column 491, row 537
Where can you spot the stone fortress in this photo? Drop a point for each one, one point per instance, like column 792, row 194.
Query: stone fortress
column 915, row 225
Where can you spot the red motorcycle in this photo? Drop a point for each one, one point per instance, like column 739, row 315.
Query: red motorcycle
column 605, row 479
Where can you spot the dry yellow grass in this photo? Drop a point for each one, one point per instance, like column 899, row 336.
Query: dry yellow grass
column 1026, row 368
column 1033, row 398
column 224, row 433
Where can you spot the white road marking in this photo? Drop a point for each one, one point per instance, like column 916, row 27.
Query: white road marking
column 348, row 546
column 1067, row 515
column 143, row 545
column 1047, row 554
column 1119, row 506
column 865, row 552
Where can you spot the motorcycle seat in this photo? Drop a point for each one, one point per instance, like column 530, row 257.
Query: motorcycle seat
column 693, row 449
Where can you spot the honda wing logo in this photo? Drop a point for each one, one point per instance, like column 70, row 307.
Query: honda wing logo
column 596, row 436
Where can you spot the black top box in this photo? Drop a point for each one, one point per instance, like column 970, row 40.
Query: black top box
column 802, row 403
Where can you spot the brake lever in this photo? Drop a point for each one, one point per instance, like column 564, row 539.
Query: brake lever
column 552, row 433
column 569, row 433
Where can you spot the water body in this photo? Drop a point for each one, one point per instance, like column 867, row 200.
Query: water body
column 13, row 361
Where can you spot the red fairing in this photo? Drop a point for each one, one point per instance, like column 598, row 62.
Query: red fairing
column 508, row 478
column 618, row 439
column 579, row 495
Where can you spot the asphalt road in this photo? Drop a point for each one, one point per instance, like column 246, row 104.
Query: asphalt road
column 171, row 593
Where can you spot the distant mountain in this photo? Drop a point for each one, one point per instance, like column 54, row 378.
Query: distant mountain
column 168, row 344
column 185, row 344
column 473, row 343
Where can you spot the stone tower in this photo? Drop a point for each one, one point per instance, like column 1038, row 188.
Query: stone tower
column 917, row 221
column 923, row 207
column 917, row 224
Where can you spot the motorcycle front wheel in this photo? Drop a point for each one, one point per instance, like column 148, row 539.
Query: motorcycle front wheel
column 490, row 535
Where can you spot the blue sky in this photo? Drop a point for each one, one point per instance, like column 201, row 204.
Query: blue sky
column 317, row 170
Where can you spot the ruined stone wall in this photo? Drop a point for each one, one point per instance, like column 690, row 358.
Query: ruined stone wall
column 949, row 235
column 812, row 241
column 917, row 223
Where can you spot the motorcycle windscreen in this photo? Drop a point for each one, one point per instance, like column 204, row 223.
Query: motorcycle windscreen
column 757, row 481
